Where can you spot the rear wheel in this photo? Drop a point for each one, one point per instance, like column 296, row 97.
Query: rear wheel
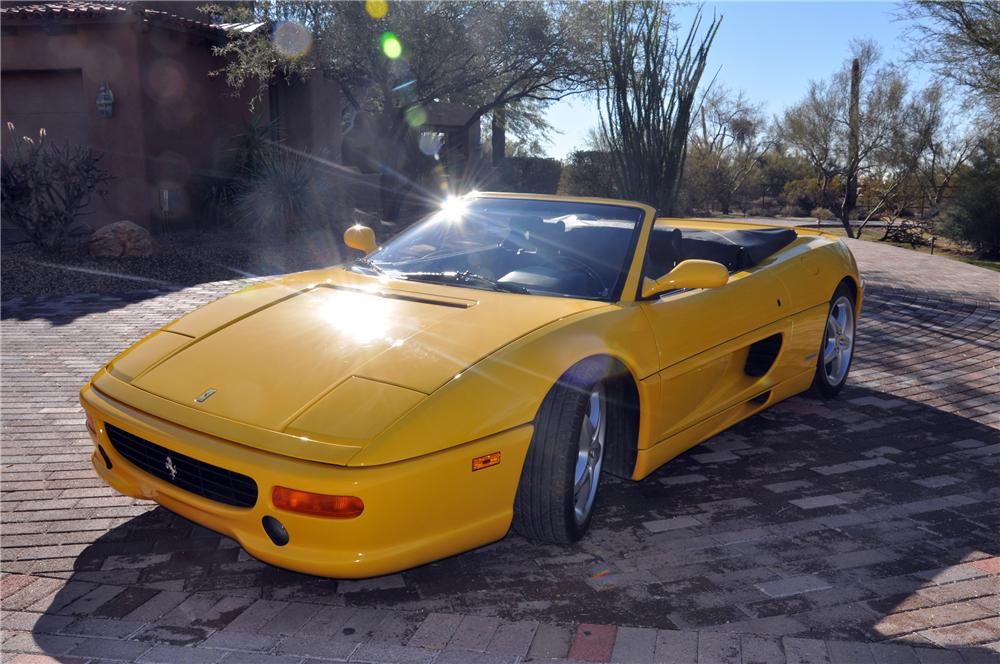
column 837, row 349
column 562, row 472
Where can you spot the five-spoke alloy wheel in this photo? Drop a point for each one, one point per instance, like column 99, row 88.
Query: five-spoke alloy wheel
column 837, row 348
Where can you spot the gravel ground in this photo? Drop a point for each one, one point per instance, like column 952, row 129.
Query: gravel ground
column 179, row 259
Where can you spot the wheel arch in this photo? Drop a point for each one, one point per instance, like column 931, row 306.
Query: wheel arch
column 624, row 402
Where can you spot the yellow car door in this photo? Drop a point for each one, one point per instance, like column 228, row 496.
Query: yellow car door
column 704, row 338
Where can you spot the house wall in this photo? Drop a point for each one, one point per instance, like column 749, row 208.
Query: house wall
column 52, row 78
column 190, row 119
column 173, row 122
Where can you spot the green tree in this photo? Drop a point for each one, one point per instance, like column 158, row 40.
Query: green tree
column 650, row 81
column 962, row 41
column 727, row 142
column 392, row 65
column 892, row 133
column 972, row 215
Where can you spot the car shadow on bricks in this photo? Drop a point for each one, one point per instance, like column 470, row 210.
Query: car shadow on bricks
column 868, row 518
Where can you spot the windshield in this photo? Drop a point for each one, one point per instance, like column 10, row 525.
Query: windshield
column 542, row 247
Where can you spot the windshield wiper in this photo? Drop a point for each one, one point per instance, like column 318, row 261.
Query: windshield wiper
column 464, row 277
column 364, row 261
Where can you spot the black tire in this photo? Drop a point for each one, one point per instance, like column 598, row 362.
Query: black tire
column 828, row 383
column 544, row 507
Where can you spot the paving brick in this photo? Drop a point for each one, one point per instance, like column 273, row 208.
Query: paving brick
column 158, row 605
column 714, row 648
column 513, row 638
column 793, row 586
column 815, row 502
column 933, row 656
column 550, row 642
column 374, row 653
column 245, row 641
column 676, row 523
column 40, row 643
column 115, row 649
column 320, row 647
column 469, row 657
column 805, row 651
column 474, row 633
column 889, row 653
column 259, row 658
column 179, row 655
column 436, row 631
column 761, row 650
column 593, row 643
column 634, row 645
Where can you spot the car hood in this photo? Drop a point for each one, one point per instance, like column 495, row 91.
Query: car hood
column 292, row 355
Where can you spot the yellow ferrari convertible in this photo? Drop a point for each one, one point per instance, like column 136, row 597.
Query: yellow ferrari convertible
column 480, row 371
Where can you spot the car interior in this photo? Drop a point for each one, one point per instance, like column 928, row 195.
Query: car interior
column 736, row 249
column 585, row 256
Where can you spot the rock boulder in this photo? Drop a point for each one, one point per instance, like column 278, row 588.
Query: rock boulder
column 120, row 239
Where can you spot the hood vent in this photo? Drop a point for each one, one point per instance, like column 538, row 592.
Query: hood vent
column 422, row 298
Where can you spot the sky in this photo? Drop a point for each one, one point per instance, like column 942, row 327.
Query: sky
column 770, row 50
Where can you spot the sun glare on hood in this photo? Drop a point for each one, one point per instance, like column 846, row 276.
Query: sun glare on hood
column 365, row 318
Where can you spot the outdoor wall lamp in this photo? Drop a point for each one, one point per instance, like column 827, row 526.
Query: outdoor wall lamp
column 105, row 101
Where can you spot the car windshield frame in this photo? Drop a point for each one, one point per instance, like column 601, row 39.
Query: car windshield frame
column 542, row 204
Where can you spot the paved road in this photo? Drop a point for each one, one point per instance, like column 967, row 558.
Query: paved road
column 858, row 530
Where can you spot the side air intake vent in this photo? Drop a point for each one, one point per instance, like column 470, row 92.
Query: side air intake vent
column 762, row 355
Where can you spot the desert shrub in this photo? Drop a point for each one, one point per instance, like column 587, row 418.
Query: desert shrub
column 284, row 194
column 590, row 173
column 821, row 214
column 973, row 214
column 791, row 211
column 45, row 187
column 766, row 206
column 266, row 187
column 808, row 193
column 530, row 175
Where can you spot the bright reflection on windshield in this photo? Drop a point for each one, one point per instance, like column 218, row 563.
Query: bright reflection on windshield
column 453, row 208
column 542, row 247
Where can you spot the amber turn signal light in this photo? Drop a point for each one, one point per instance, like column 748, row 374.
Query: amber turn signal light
column 90, row 425
column 317, row 504
column 486, row 461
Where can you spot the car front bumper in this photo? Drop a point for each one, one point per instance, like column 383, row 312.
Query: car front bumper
column 416, row 511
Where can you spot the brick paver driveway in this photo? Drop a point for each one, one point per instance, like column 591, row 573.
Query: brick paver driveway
column 859, row 530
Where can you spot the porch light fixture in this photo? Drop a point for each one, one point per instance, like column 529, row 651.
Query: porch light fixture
column 105, row 101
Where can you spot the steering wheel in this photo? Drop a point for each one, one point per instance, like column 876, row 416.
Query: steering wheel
column 589, row 271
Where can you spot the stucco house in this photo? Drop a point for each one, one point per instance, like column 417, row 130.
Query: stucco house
column 132, row 79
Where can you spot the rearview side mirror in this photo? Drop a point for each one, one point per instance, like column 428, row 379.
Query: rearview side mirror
column 361, row 238
column 692, row 273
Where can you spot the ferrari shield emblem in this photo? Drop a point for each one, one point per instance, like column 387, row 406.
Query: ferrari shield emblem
column 205, row 395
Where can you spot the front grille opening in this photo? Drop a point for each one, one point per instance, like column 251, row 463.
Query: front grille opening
column 192, row 475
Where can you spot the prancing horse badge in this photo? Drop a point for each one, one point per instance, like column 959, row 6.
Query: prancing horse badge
column 205, row 395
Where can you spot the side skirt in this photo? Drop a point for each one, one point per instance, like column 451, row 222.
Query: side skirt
column 653, row 457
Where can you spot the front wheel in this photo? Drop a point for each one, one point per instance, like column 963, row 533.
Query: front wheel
column 562, row 472
column 837, row 349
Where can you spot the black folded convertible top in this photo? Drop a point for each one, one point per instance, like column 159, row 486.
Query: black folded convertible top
column 736, row 249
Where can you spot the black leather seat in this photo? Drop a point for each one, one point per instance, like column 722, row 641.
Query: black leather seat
column 665, row 252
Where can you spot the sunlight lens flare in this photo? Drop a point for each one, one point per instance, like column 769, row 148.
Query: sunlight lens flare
column 291, row 39
column 453, row 208
column 377, row 8
column 391, row 46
